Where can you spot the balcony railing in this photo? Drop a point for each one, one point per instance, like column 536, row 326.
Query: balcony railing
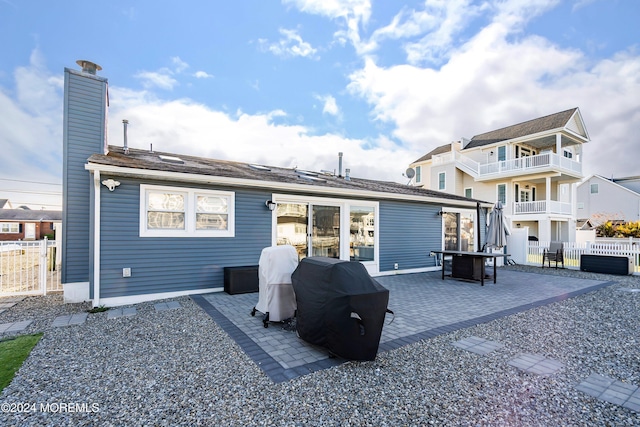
column 540, row 206
column 521, row 165
column 530, row 164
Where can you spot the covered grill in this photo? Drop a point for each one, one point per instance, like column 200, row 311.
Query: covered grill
column 340, row 307
column 276, row 298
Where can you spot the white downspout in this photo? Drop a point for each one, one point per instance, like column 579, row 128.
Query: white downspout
column 96, row 239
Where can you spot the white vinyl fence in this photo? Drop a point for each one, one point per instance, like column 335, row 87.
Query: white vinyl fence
column 29, row 268
column 572, row 251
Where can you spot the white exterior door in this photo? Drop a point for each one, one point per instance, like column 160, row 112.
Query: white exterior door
column 29, row 231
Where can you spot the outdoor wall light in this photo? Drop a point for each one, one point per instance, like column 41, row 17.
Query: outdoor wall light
column 271, row 205
column 440, row 213
column 110, row 184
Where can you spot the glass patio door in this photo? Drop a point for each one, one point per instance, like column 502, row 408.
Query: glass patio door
column 292, row 226
column 459, row 231
column 325, row 237
column 314, row 230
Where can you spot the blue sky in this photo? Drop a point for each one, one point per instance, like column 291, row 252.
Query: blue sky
column 293, row 82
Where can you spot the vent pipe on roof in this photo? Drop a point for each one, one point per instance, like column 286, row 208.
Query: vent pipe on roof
column 347, row 174
column 340, row 164
column 88, row 66
column 125, row 122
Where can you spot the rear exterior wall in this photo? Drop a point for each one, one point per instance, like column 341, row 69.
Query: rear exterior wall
column 408, row 232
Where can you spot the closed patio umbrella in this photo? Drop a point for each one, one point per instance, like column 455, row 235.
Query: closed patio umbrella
column 497, row 232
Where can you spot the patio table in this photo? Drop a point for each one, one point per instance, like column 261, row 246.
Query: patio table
column 463, row 263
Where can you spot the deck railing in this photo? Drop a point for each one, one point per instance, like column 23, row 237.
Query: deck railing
column 527, row 164
column 540, row 206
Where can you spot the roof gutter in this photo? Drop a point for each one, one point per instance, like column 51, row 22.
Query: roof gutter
column 270, row 185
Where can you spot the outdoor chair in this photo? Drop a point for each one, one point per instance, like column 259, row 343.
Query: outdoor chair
column 554, row 253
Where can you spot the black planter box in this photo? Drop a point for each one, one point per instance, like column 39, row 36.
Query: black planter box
column 241, row 280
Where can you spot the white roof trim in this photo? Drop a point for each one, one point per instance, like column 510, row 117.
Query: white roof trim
column 271, row 185
column 608, row 181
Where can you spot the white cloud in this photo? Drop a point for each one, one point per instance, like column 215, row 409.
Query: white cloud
column 179, row 64
column 448, row 18
column 185, row 127
column 350, row 15
column 164, row 77
column 496, row 80
column 202, row 75
column 291, row 45
column 31, row 129
column 329, row 105
column 161, row 79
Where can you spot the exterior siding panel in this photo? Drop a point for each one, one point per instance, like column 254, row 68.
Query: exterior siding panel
column 83, row 135
column 408, row 232
column 174, row 264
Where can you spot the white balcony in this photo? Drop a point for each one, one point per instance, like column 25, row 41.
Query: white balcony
column 520, row 166
column 542, row 206
column 531, row 164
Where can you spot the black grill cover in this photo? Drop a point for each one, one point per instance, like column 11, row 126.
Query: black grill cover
column 340, row 307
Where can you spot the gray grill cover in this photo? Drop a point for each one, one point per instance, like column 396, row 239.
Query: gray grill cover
column 340, row 307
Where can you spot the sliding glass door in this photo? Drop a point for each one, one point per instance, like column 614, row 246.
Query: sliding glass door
column 325, row 237
column 312, row 229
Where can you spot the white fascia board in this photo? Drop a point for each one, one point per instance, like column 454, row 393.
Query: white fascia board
column 270, row 185
column 608, row 181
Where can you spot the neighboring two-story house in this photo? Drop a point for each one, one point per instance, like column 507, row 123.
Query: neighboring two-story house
column 531, row 167
column 601, row 199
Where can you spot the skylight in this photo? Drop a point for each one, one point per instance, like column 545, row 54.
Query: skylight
column 259, row 168
column 312, row 178
column 171, row 159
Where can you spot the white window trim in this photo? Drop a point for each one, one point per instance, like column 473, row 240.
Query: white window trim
column 445, row 181
column 465, row 192
column 418, row 174
column 2, row 224
column 506, row 192
column 190, row 212
column 345, row 211
column 471, row 212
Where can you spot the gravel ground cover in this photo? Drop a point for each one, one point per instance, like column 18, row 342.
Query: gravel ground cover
column 177, row 367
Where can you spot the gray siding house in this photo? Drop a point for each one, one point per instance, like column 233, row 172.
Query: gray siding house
column 142, row 225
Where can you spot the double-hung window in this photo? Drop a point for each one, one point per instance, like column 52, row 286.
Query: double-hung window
column 9, row 227
column 442, row 179
column 186, row 212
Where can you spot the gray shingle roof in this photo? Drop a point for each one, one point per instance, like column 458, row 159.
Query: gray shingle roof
column 145, row 160
column 541, row 124
column 439, row 150
column 30, row 215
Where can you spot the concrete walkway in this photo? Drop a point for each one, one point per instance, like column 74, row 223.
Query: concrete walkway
column 424, row 305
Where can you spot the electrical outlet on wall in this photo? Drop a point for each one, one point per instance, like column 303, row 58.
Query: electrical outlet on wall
column 395, row 266
column 126, row 272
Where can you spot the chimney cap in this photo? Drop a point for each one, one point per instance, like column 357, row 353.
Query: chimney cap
column 88, row 66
